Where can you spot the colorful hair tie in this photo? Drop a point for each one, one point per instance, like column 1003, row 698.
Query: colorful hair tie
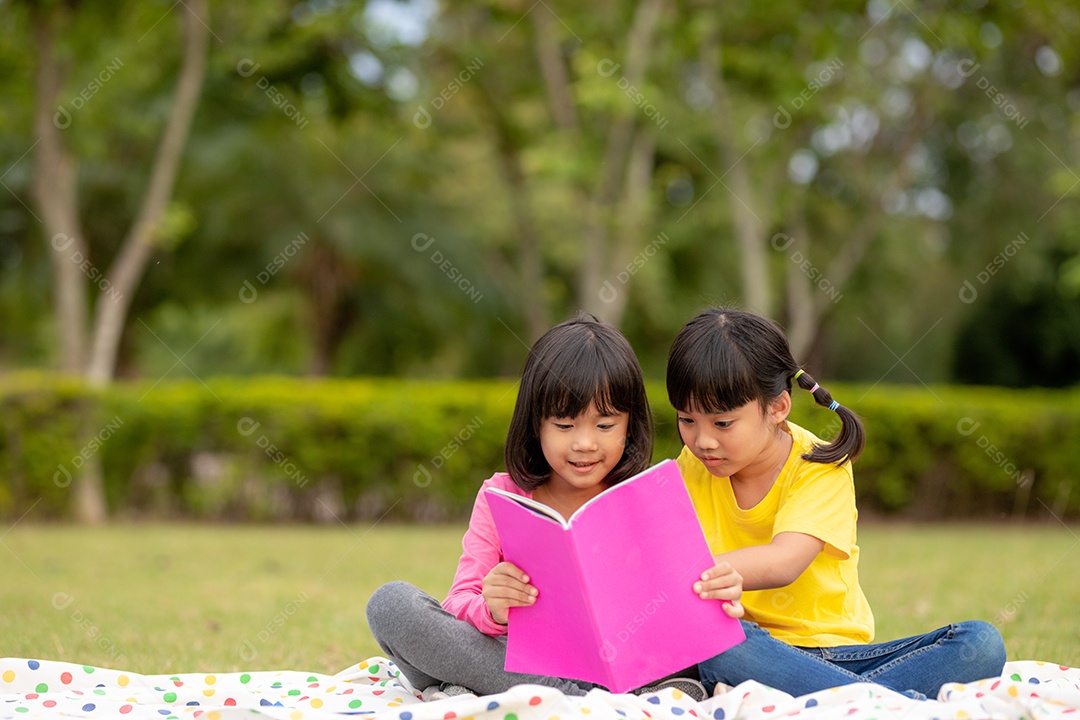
column 813, row 389
column 801, row 371
column 833, row 405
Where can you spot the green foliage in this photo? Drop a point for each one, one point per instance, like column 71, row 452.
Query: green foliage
column 1029, row 331
column 968, row 108
column 271, row 448
column 41, row 453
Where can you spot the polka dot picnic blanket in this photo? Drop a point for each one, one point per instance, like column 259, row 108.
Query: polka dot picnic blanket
column 374, row 687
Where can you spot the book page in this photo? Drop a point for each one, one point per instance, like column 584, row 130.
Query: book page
column 534, row 505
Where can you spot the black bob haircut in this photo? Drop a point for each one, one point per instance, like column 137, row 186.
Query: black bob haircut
column 724, row 358
column 578, row 362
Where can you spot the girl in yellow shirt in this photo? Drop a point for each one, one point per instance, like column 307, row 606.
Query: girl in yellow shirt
column 778, row 506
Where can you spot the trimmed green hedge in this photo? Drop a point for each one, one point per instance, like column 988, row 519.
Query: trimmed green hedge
column 287, row 448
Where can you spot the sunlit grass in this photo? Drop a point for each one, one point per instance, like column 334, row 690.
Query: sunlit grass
column 199, row 598
column 1023, row 579
column 180, row 598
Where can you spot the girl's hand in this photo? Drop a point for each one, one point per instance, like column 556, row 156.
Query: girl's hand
column 722, row 582
column 506, row 586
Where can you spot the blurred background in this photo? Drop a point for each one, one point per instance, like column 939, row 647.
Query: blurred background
column 277, row 262
column 198, row 192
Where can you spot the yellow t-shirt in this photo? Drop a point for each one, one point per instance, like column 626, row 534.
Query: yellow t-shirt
column 825, row 606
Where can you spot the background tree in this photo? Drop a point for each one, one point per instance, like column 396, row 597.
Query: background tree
column 56, row 195
column 415, row 188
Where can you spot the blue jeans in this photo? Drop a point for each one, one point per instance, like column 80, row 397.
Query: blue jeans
column 916, row 666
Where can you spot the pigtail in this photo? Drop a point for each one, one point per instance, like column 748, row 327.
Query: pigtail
column 849, row 442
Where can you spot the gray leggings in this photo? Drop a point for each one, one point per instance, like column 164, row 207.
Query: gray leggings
column 432, row 647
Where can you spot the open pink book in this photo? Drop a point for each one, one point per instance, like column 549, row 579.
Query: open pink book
column 616, row 604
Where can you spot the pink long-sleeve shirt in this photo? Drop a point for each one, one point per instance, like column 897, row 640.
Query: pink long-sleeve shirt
column 480, row 551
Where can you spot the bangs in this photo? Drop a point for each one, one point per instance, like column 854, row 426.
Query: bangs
column 708, row 372
column 575, row 380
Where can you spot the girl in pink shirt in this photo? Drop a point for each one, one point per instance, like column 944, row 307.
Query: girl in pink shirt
column 581, row 424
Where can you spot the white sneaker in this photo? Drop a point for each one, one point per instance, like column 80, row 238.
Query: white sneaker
column 435, row 693
column 457, row 691
column 720, row 689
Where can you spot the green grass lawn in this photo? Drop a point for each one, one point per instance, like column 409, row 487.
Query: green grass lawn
column 198, row 598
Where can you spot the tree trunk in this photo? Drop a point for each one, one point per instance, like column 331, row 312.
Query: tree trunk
column 127, row 270
column 735, row 177
column 598, row 259
column 635, row 215
column 326, row 279
column 527, row 283
column 553, row 70
column 803, row 316
column 55, row 192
